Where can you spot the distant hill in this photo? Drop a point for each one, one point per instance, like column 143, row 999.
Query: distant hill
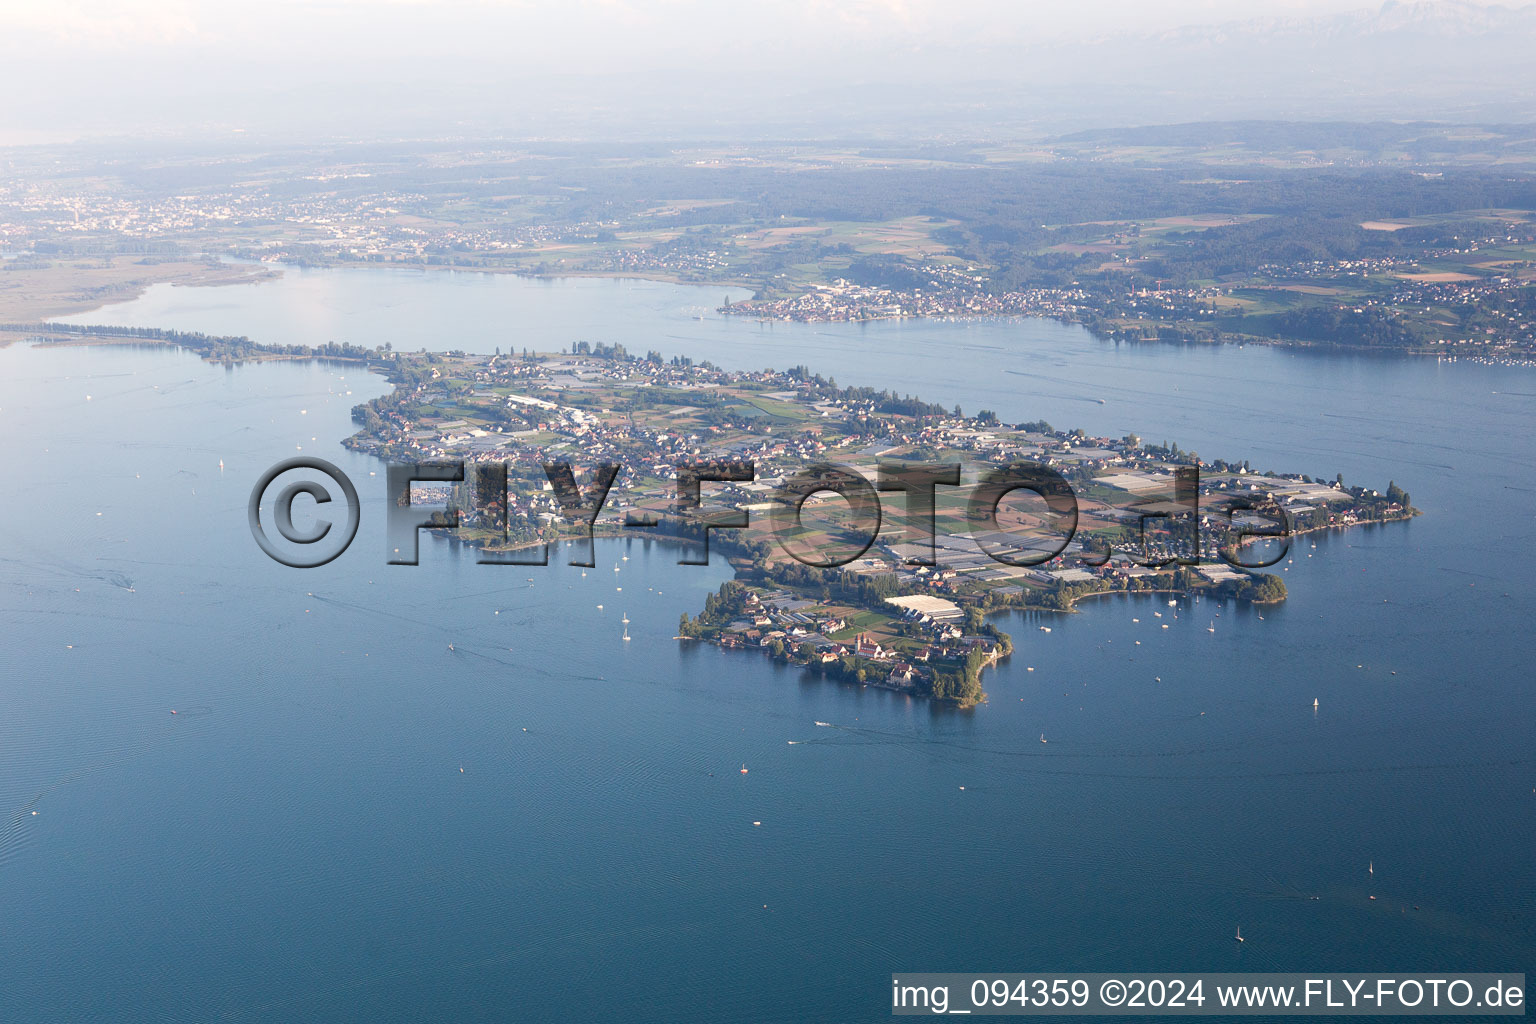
column 1416, row 142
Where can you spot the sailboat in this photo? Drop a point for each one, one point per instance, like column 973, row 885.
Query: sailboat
column 625, row 619
column 1212, row 627
column 1042, row 738
column 626, row 633
column 1314, row 703
column 1240, row 936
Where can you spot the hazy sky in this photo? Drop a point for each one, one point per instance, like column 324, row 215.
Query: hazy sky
column 118, row 66
column 552, row 29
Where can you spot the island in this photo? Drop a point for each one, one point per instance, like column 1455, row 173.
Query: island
column 893, row 594
column 895, row 597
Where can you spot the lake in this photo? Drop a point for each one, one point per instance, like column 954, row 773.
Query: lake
column 299, row 840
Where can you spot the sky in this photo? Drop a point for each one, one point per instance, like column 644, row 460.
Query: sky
column 93, row 67
column 566, row 26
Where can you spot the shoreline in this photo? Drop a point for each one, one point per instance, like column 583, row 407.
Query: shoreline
column 257, row 272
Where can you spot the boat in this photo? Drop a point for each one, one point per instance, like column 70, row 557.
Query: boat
column 1045, row 629
column 825, row 725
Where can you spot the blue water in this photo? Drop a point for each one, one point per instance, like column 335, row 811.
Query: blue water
column 298, row 841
